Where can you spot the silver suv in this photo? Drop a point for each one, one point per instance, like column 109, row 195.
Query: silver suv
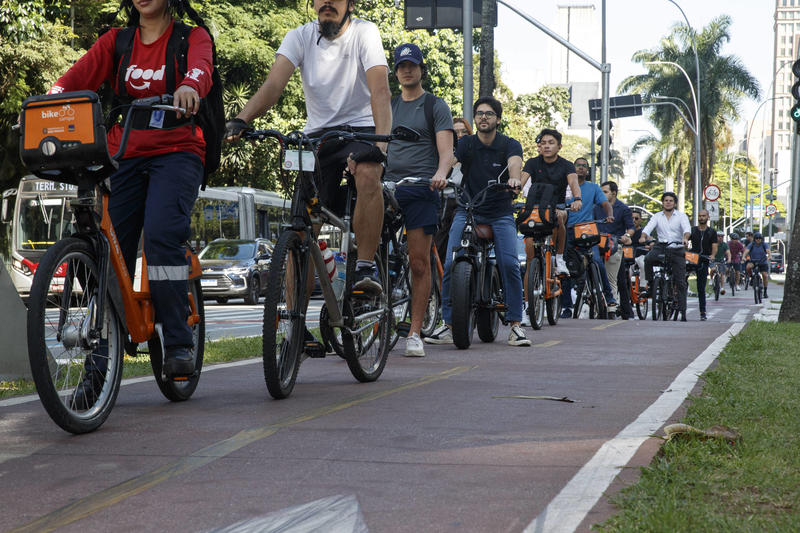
column 235, row 268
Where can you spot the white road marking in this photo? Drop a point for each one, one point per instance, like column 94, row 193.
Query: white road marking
column 569, row 508
column 741, row 315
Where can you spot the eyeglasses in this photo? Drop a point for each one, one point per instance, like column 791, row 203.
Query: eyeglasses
column 487, row 114
column 584, row 165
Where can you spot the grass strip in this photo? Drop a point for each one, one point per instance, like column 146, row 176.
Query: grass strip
column 696, row 484
column 217, row 351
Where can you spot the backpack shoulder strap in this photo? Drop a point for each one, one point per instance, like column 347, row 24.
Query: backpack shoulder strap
column 123, row 48
column 177, row 50
column 430, row 100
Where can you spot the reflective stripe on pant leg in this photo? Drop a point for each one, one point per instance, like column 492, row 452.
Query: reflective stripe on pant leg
column 167, row 272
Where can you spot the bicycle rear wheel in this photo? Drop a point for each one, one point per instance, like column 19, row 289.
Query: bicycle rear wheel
column 284, row 316
column 178, row 391
column 536, row 303
column 76, row 366
column 366, row 342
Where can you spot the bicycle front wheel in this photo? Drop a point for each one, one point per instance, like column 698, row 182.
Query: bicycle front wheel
column 599, row 308
column 656, row 298
column 284, row 316
column 536, row 302
column 462, row 294
column 76, row 362
column 366, row 342
column 174, row 390
column 717, row 287
column 757, row 287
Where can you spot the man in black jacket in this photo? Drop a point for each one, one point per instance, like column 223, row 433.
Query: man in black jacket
column 703, row 241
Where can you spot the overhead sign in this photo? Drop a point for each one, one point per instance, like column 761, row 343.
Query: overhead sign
column 432, row 14
column 711, row 192
column 629, row 105
column 771, row 210
column 713, row 210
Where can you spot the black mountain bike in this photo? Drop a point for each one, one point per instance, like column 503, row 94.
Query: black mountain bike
column 476, row 287
column 355, row 325
column 757, row 282
column 663, row 289
column 589, row 289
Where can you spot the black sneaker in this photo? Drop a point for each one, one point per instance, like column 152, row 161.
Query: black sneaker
column 703, row 316
column 178, row 361
column 367, row 283
column 87, row 391
column 683, row 316
column 765, row 292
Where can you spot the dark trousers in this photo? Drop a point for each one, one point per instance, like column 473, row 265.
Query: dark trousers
column 157, row 194
column 677, row 258
column 701, row 270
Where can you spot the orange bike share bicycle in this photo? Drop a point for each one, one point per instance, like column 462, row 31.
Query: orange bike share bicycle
column 83, row 306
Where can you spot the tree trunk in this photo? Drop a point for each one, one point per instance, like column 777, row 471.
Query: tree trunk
column 487, row 82
column 790, row 308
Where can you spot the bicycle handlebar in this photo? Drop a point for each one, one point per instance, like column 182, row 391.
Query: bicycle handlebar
column 163, row 102
column 300, row 139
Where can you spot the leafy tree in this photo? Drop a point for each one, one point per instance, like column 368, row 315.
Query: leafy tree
column 724, row 82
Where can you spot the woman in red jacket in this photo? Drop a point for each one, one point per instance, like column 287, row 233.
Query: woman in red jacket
column 162, row 168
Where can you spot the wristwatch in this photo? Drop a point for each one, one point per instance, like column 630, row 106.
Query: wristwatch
column 575, row 199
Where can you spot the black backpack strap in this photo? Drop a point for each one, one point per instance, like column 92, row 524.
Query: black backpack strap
column 123, row 48
column 430, row 100
column 177, row 48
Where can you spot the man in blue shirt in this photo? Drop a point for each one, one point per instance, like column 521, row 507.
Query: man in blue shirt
column 757, row 253
column 484, row 157
column 621, row 229
column 591, row 196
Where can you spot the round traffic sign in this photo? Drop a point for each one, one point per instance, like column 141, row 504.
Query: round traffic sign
column 711, row 192
column 771, row 210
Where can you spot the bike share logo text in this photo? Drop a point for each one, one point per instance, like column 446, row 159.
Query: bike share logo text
column 65, row 113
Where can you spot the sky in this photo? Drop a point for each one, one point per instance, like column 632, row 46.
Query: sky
column 634, row 25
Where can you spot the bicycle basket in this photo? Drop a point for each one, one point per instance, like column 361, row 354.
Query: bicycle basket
column 63, row 137
column 586, row 233
column 692, row 258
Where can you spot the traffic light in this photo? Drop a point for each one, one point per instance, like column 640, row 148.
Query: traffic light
column 795, row 111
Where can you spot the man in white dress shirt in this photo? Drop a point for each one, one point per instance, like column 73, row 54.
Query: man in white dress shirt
column 673, row 231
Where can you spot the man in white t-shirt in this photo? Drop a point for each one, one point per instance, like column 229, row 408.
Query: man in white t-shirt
column 345, row 82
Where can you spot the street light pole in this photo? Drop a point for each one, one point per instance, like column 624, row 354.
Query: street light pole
column 468, row 90
column 696, row 208
column 697, row 113
column 730, row 193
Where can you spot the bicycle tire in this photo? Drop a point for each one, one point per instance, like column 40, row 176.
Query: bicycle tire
column 580, row 299
column 717, row 287
column 655, row 300
column 433, row 312
column 282, row 347
column 402, row 312
column 641, row 303
column 462, row 291
column 756, row 284
column 732, row 281
column 598, row 296
column 366, row 351
column 536, row 303
column 552, row 307
column 666, row 299
column 70, row 267
column 179, row 391
column 487, row 319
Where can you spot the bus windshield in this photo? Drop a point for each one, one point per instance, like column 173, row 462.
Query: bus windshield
column 42, row 222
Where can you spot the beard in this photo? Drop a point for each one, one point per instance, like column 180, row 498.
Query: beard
column 330, row 28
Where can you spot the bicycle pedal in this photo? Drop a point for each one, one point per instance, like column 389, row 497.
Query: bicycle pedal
column 403, row 328
column 314, row 349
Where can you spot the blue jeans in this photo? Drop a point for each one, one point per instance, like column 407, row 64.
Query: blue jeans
column 505, row 250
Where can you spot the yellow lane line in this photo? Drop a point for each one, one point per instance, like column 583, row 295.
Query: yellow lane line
column 546, row 344
column 96, row 502
column 609, row 325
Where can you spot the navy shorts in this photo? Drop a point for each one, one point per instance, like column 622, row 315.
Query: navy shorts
column 420, row 207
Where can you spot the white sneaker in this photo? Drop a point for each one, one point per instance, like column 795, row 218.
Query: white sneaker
column 414, row 346
column 516, row 337
column 440, row 336
column 526, row 319
column 561, row 265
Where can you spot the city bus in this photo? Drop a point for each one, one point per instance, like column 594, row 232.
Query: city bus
column 37, row 214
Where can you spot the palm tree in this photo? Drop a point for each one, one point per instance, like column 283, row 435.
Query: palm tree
column 724, row 82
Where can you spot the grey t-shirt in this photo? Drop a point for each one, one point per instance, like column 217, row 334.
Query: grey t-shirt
column 419, row 159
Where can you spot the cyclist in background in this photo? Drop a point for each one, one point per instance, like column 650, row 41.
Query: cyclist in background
column 346, row 86
column 162, row 169
column 621, row 229
column 703, row 241
column 672, row 227
column 757, row 253
column 489, row 156
column 722, row 257
column 430, row 157
column 737, row 251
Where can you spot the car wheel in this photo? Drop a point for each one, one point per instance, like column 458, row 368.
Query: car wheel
column 222, row 300
column 251, row 298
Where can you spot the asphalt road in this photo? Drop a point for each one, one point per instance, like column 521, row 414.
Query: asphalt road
column 455, row 441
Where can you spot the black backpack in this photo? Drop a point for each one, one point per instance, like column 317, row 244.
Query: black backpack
column 211, row 115
column 428, row 104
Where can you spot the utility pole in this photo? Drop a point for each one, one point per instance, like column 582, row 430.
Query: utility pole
column 487, row 81
column 468, row 89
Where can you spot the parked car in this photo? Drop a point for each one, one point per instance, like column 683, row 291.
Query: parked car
column 235, row 268
column 776, row 263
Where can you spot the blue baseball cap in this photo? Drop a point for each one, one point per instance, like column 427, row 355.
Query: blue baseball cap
column 408, row 52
